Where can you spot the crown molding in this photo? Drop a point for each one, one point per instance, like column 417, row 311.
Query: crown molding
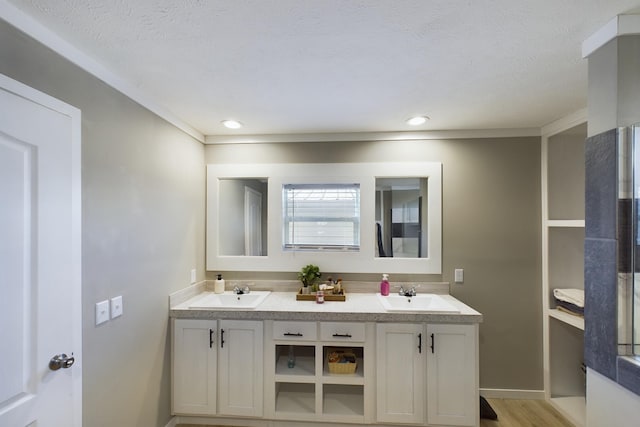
column 564, row 123
column 34, row 29
column 371, row 136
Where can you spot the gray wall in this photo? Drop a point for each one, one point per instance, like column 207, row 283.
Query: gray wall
column 143, row 231
column 491, row 228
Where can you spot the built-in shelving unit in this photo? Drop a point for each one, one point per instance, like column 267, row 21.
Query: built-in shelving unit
column 563, row 262
column 306, row 389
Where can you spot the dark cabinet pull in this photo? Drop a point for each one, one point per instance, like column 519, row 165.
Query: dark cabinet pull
column 221, row 338
column 342, row 335
column 419, row 343
column 289, row 334
column 433, row 343
column 210, row 338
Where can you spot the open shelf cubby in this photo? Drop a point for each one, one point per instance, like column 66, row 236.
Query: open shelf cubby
column 296, row 398
column 344, row 400
column 304, row 360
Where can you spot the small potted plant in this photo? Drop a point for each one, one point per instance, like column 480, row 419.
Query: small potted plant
column 308, row 276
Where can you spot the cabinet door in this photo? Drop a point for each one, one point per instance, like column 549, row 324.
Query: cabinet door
column 400, row 361
column 194, row 367
column 452, row 375
column 240, row 367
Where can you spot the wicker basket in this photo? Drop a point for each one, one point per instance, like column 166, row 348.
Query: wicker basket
column 345, row 364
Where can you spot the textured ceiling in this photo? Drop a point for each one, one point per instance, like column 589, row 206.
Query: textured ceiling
column 307, row 66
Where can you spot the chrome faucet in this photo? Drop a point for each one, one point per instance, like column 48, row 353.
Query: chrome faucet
column 407, row 293
column 239, row 291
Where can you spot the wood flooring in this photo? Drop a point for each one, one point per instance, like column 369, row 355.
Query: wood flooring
column 513, row 413
column 524, row 413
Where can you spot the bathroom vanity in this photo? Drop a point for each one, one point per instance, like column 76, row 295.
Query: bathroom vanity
column 351, row 362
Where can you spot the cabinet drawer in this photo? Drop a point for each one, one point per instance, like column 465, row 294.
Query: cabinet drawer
column 341, row 331
column 295, row 331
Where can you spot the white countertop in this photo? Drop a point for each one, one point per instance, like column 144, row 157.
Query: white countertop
column 357, row 307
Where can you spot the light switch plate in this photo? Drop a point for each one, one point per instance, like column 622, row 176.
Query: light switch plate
column 193, row 276
column 116, row 306
column 102, row 312
column 458, row 275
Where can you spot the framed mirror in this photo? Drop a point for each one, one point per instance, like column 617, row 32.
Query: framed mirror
column 243, row 214
column 401, row 217
column 337, row 216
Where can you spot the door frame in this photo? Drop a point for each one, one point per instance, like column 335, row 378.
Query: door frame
column 250, row 226
column 75, row 117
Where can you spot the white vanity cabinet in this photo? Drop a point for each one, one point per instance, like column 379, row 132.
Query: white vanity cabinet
column 452, row 375
column 328, row 366
column 217, row 367
column 400, row 368
column 195, row 365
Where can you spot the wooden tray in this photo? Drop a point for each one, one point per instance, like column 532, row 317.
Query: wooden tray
column 327, row 297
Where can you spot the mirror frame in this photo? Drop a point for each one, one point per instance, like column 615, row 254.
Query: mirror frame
column 363, row 261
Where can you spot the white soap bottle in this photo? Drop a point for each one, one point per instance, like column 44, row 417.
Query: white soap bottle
column 218, row 287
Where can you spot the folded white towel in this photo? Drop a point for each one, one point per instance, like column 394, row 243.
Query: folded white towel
column 573, row 296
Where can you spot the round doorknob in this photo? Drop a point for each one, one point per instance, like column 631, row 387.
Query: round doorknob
column 61, row 361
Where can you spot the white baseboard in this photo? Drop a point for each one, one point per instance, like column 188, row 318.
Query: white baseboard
column 506, row 393
column 172, row 423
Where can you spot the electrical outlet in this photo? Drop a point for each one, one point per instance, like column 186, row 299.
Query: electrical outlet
column 116, row 306
column 193, row 275
column 458, row 275
column 102, row 312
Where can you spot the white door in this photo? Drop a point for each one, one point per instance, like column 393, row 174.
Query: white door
column 240, row 370
column 452, row 375
column 400, row 350
column 40, row 258
column 195, row 363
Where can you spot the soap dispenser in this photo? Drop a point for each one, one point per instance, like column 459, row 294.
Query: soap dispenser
column 218, row 287
column 384, row 285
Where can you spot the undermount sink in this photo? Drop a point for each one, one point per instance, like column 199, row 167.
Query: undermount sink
column 424, row 303
column 230, row 300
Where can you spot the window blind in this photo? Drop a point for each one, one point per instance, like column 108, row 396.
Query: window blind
column 321, row 216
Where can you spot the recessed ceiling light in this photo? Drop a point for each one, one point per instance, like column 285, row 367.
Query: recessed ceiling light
column 417, row 120
column 232, row 124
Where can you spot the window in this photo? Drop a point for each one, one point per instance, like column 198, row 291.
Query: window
column 321, row 216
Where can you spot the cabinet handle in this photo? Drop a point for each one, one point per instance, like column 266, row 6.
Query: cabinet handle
column 342, row 335
column 433, row 344
column 289, row 334
column 419, row 343
column 210, row 338
column 221, row 338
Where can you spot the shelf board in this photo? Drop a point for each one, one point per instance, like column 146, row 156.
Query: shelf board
column 570, row 319
column 572, row 407
column 354, row 379
column 578, row 223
